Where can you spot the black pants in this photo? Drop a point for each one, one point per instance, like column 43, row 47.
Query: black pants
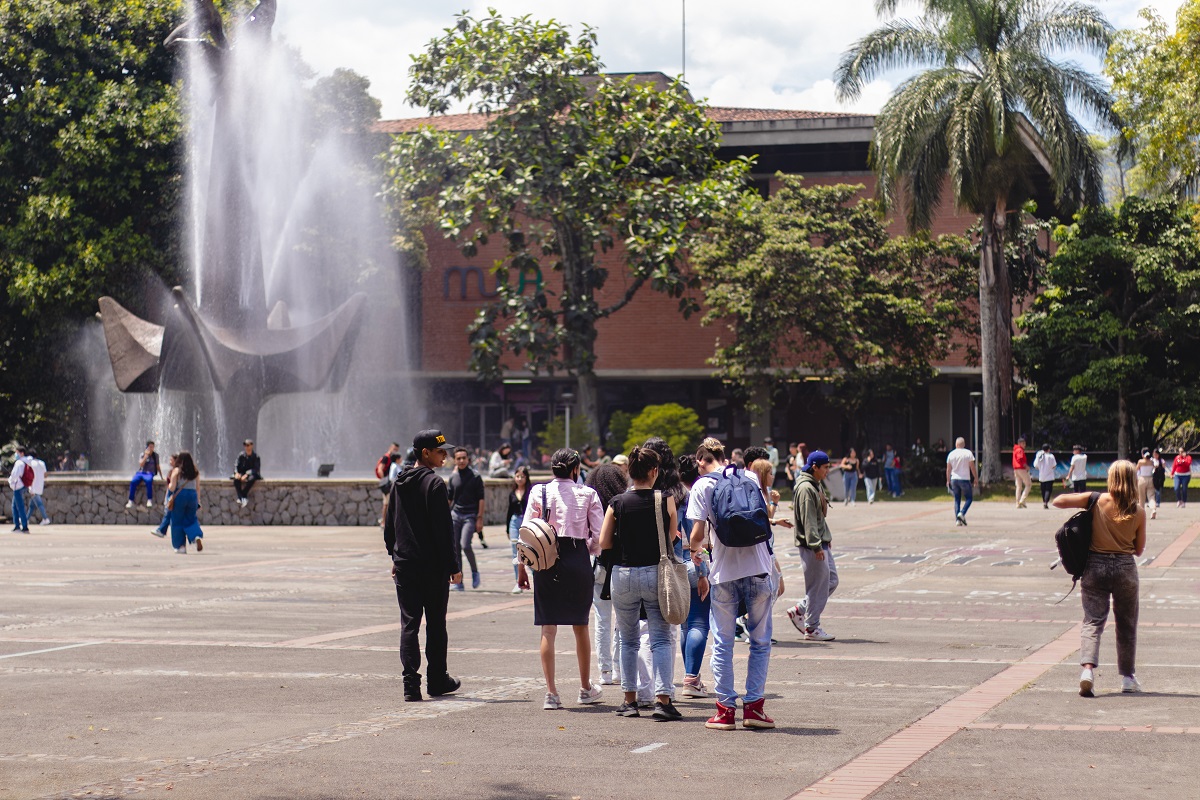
column 421, row 590
column 242, row 487
column 1079, row 486
column 1047, row 490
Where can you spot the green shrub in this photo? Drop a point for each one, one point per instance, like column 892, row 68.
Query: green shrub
column 679, row 426
column 618, row 430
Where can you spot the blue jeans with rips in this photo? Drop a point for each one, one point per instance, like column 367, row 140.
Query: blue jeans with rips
column 755, row 591
column 632, row 588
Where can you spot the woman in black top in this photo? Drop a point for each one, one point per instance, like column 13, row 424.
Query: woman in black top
column 518, row 498
column 870, row 468
column 632, row 530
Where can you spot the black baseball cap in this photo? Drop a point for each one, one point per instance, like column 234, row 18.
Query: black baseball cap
column 430, row 440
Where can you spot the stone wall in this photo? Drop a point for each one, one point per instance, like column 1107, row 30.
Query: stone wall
column 85, row 500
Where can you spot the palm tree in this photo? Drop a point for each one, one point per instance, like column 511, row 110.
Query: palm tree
column 989, row 110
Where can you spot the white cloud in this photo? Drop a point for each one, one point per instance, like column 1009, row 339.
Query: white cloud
column 769, row 53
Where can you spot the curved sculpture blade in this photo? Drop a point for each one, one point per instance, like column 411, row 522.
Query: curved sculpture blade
column 134, row 347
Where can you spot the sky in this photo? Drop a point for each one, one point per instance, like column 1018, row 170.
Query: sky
column 753, row 53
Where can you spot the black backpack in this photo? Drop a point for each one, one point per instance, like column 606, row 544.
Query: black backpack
column 1074, row 542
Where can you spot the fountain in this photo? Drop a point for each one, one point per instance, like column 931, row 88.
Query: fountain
column 259, row 188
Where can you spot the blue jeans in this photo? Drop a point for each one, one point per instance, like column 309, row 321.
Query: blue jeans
column 142, row 477
column 36, row 504
column 633, row 587
column 183, row 518
column 695, row 633
column 755, row 592
column 962, row 489
column 1181, row 487
column 892, row 476
column 166, row 520
column 20, row 518
column 850, row 484
column 514, row 530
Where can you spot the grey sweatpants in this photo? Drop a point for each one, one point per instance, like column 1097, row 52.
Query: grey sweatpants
column 1115, row 575
column 820, row 581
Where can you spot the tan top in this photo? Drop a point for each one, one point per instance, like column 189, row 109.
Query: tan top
column 1109, row 535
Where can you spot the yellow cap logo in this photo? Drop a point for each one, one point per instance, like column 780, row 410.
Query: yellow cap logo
column 441, row 440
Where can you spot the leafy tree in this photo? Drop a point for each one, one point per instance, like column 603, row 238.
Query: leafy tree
column 1155, row 81
column 586, row 172
column 990, row 110
column 809, row 281
column 89, row 186
column 619, row 423
column 679, row 427
column 1117, row 330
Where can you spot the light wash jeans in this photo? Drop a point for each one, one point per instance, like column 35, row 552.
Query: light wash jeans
column 464, row 534
column 820, row 581
column 872, row 484
column 756, row 592
column 36, row 504
column 850, row 485
column 633, row 587
column 606, row 631
column 514, row 532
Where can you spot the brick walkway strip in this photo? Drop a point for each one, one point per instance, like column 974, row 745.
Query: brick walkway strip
column 1175, row 549
column 867, row 773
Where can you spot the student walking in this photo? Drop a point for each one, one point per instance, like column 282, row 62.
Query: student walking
column 418, row 536
column 960, row 478
column 20, row 478
column 1045, row 463
column 518, row 498
column 1181, row 473
column 1145, row 483
column 466, row 509
column 172, row 482
column 1076, row 477
column 38, row 487
column 1160, row 475
column 1020, row 465
column 851, row 471
column 694, row 639
column 562, row 595
column 871, row 471
column 1118, row 535
column 183, row 505
column 637, row 527
column 810, row 507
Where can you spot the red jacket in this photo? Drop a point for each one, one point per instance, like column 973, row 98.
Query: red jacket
column 1182, row 465
column 1019, row 460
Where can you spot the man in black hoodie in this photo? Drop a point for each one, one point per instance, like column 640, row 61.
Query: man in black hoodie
column 420, row 540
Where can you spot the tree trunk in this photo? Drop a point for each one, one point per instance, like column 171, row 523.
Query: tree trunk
column 589, row 405
column 995, row 338
column 1124, row 432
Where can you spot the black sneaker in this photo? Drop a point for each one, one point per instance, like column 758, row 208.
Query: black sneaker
column 482, row 543
column 627, row 710
column 666, row 711
column 447, row 685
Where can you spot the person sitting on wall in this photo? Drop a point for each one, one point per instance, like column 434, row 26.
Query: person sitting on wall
column 247, row 471
column 500, row 465
column 147, row 469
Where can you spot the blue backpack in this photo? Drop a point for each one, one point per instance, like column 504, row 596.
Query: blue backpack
column 740, row 510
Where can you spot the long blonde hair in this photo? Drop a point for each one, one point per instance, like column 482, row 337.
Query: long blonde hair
column 762, row 468
column 1122, row 486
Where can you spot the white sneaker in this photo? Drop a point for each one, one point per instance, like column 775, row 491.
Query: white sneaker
column 1087, row 680
column 129, row 504
column 817, row 634
column 589, row 696
column 149, row 504
column 696, row 689
column 796, row 615
column 516, row 588
column 182, row 550
column 1130, row 684
column 552, row 703
column 606, row 678
column 44, row 522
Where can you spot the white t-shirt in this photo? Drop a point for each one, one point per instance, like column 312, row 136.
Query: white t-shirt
column 728, row 563
column 1078, row 469
column 39, row 476
column 1045, row 463
column 960, row 460
column 15, row 476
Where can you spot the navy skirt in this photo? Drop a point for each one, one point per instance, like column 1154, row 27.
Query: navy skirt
column 562, row 595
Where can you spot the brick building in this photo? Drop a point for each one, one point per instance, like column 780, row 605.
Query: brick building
column 648, row 353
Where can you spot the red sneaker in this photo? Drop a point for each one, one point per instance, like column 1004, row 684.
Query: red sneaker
column 753, row 715
column 724, row 720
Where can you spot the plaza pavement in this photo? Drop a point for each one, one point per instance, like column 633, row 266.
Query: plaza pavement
column 266, row 667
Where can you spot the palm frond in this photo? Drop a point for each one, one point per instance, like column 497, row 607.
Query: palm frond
column 1063, row 26
column 902, row 43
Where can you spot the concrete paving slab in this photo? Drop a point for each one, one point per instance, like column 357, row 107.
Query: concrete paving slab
column 266, row 667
